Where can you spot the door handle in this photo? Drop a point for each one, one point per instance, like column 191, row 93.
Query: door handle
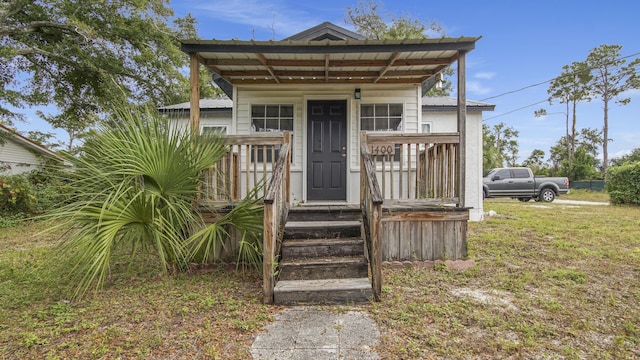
column 344, row 155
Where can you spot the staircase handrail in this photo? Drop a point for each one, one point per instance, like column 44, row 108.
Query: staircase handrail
column 371, row 206
column 276, row 209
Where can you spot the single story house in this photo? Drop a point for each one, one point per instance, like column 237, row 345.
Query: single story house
column 19, row 154
column 338, row 129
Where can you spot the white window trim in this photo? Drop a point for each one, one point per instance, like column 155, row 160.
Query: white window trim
column 430, row 123
column 402, row 120
column 225, row 126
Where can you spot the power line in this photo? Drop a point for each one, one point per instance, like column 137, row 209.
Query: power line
column 512, row 111
column 548, row 81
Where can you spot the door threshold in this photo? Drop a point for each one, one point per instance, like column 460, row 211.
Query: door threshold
column 324, row 202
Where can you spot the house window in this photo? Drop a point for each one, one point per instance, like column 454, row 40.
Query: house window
column 381, row 117
column 214, row 130
column 426, row 128
column 271, row 117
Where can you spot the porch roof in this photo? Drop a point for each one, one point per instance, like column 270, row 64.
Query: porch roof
column 328, row 61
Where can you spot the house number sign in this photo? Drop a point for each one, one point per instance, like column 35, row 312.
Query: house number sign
column 382, row 149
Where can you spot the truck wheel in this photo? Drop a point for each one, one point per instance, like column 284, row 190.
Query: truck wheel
column 524, row 199
column 547, row 195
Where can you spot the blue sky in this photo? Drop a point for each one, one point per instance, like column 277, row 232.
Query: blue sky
column 523, row 43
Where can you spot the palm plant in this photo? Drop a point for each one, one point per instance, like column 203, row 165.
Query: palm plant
column 135, row 189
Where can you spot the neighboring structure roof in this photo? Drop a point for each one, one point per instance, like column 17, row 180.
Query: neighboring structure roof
column 429, row 103
column 440, row 103
column 326, row 31
column 206, row 105
column 7, row 133
column 302, row 59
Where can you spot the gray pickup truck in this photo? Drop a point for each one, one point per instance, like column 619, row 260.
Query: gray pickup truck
column 520, row 183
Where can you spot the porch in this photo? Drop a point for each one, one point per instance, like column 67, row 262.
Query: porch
column 410, row 209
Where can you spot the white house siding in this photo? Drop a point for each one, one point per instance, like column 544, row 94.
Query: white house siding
column 446, row 121
column 16, row 159
column 208, row 119
column 298, row 95
column 409, row 96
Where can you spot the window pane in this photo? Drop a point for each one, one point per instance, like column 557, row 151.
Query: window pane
column 426, row 128
column 504, row 174
column 258, row 125
column 520, row 173
column 214, row 130
column 396, row 124
column 286, row 124
column 367, row 124
column 257, row 111
column 382, row 124
column 395, row 110
column 273, row 110
column 286, row 111
column 366, row 111
column 273, row 124
column 382, row 110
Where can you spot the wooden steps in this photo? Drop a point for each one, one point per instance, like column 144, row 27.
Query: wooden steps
column 323, row 258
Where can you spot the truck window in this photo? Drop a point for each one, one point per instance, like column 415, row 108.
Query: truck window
column 504, row 174
column 520, row 173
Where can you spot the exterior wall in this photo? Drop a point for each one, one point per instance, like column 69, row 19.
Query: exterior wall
column 298, row 95
column 16, row 159
column 409, row 96
column 208, row 119
column 446, row 121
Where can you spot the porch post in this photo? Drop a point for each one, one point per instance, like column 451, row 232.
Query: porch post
column 194, row 94
column 462, row 126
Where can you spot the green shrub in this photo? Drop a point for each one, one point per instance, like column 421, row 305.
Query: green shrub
column 16, row 195
column 623, row 184
column 50, row 187
column 31, row 193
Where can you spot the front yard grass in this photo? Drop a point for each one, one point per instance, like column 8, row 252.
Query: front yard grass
column 586, row 195
column 549, row 281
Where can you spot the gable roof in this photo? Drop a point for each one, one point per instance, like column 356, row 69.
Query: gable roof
column 8, row 133
column 326, row 31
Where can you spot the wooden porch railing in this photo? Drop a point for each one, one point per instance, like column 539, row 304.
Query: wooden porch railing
column 251, row 160
column 276, row 209
column 371, row 205
column 419, row 167
column 262, row 158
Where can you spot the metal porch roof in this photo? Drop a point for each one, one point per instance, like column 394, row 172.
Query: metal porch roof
column 328, row 61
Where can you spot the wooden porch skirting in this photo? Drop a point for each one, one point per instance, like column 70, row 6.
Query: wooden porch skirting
column 409, row 232
column 418, row 232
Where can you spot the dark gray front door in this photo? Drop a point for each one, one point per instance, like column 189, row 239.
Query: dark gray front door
column 327, row 150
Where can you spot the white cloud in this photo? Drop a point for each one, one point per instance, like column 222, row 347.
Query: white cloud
column 485, row 75
column 260, row 15
column 477, row 88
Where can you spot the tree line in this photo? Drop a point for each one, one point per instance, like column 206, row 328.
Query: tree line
column 604, row 75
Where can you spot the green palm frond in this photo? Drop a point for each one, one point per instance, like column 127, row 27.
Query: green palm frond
column 134, row 190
